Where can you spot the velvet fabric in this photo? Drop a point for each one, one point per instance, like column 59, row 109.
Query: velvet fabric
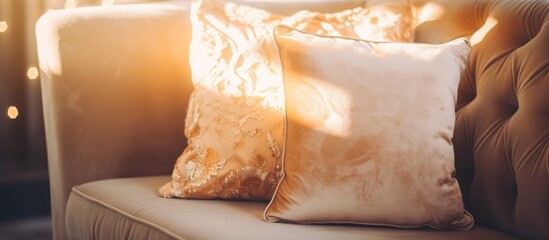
column 116, row 80
column 368, row 132
column 501, row 138
column 128, row 208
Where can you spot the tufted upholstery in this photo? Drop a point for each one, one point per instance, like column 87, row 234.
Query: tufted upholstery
column 502, row 129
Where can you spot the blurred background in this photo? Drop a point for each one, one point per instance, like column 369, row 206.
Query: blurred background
column 24, row 186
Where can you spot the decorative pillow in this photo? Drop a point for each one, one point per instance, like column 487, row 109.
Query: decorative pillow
column 234, row 121
column 368, row 132
column 385, row 22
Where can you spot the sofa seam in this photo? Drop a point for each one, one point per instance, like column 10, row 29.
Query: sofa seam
column 125, row 214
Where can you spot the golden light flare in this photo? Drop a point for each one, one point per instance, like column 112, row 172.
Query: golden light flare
column 320, row 105
column 32, row 73
column 107, row 2
column 71, row 4
column 479, row 35
column 3, row 26
column 13, row 112
column 431, row 12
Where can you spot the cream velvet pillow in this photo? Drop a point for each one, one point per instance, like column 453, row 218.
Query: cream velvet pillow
column 234, row 122
column 368, row 132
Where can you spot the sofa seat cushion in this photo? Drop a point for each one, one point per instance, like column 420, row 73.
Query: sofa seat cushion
column 129, row 208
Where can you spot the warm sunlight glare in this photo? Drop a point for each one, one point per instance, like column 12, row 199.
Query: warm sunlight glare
column 32, row 73
column 71, row 3
column 479, row 35
column 107, row 2
column 431, row 12
column 3, row 26
column 13, row 112
column 319, row 105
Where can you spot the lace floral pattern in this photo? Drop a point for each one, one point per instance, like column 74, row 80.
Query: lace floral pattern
column 394, row 24
column 234, row 119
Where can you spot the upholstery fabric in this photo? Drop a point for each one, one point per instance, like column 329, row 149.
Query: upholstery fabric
column 368, row 132
column 129, row 208
column 501, row 137
column 114, row 96
column 110, row 92
column 234, row 119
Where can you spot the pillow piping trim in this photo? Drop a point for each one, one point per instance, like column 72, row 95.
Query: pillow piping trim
column 272, row 219
column 285, row 127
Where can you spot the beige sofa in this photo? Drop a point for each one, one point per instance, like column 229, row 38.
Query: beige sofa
column 115, row 86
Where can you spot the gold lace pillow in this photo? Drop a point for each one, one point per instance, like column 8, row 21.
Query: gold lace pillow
column 384, row 22
column 369, row 128
column 234, row 121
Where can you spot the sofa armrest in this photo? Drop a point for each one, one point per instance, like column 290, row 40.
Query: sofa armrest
column 115, row 84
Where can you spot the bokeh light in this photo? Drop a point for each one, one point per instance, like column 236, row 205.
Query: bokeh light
column 32, row 73
column 3, row 26
column 13, row 112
